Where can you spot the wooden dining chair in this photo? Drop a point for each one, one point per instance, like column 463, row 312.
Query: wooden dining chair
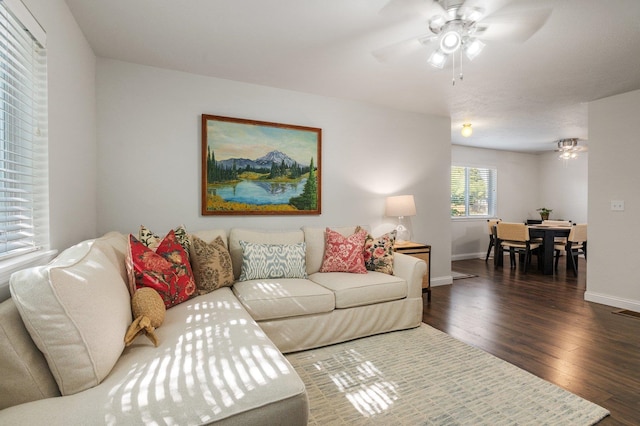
column 491, row 225
column 560, row 223
column 515, row 238
column 575, row 245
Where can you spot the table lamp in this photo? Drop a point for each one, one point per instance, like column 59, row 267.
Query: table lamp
column 401, row 206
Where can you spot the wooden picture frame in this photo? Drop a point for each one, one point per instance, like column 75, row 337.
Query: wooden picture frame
column 259, row 168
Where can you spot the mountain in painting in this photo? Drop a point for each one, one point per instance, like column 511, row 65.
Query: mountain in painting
column 264, row 162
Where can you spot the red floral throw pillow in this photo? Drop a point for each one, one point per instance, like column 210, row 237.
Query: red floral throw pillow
column 167, row 270
column 344, row 254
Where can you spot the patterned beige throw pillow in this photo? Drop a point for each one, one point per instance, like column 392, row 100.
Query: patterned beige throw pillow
column 211, row 264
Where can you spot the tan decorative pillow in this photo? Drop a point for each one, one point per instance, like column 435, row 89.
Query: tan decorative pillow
column 211, row 264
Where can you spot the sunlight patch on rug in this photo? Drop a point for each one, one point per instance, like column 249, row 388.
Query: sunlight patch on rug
column 461, row 275
column 628, row 313
column 423, row 376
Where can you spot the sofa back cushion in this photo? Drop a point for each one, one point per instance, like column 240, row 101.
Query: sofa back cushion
column 25, row 374
column 315, row 239
column 261, row 237
column 77, row 310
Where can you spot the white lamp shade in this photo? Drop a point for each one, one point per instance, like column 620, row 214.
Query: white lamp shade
column 400, row 205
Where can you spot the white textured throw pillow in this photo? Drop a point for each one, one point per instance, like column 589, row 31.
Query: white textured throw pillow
column 265, row 261
column 77, row 310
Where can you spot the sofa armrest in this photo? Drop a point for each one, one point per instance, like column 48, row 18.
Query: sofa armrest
column 412, row 270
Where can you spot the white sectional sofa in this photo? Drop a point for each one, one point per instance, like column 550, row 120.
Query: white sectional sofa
column 220, row 358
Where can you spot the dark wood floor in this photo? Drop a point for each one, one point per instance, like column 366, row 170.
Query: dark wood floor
column 543, row 325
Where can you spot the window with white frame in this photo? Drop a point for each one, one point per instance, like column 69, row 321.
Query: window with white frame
column 473, row 192
column 24, row 211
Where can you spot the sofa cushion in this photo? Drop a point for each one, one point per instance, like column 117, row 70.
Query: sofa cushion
column 282, row 298
column 361, row 289
column 166, row 270
column 269, row 261
column 262, row 237
column 315, row 239
column 77, row 310
column 25, row 374
column 211, row 264
column 213, row 365
column 344, row 254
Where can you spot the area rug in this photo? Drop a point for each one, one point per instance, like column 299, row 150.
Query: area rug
column 460, row 275
column 627, row 313
column 423, row 376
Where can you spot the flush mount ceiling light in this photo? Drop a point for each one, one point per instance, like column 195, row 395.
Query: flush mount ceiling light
column 466, row 130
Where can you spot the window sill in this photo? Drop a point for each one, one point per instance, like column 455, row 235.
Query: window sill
column 9, row 266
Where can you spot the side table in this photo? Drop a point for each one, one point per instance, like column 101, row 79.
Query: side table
column 421, row 251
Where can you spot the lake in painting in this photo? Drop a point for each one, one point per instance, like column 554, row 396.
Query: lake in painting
column 259, row 193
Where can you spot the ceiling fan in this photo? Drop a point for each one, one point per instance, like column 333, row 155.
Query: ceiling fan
column 454, row 27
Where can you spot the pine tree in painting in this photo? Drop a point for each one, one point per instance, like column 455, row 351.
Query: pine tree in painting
column 308, row 200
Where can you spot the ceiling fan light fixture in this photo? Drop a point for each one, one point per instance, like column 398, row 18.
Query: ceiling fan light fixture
column 473, row 47
column 569, row 148
column 438, row 59
column 436, row 24
column 450, row 41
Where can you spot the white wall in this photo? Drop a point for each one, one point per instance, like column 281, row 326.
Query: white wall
column 72, row 125
column 614, row 149
column 149, row 155
column 564, row 186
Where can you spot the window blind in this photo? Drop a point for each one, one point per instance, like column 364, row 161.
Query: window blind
column 24, row 215
column 473, row 191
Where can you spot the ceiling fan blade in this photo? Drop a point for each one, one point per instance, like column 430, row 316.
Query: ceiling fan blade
column 412, row 8
column 514, row 27
column 394, row 51
column 488, row 7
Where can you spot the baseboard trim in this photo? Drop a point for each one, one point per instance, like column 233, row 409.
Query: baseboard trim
column 469, row 256
column 438, row 281
column 616, row 302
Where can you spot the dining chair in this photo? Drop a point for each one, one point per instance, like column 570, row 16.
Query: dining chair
column 491, row 225
column 576, row 244
column 560, row 223
column 515, row 238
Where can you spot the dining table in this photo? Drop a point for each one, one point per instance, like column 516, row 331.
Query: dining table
column 547, row 234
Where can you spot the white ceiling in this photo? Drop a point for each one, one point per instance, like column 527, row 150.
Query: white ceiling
column 518, row 96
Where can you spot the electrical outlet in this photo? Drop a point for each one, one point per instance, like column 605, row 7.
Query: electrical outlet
column 617, row 205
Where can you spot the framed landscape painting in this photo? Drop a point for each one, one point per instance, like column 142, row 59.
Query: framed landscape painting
column 259, row 168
